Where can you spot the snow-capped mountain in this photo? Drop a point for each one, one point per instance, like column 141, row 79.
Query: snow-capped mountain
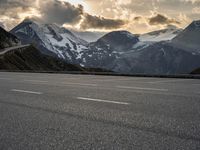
column 160, row 35
column 106, row 50
column 119, row 51
column 51, row 38
column 15, row 56
column 189, row 38
column 7, row 39
column 130, row 55
column 157, row 58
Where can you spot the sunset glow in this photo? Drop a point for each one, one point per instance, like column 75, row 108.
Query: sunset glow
column 136, row 16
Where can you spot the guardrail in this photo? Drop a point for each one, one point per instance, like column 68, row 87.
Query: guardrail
column 10, row 49
column 185, row 76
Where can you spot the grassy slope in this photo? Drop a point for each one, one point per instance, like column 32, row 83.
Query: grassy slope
column 32, row 59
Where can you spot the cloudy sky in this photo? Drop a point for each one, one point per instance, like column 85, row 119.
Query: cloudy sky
column 137, row 16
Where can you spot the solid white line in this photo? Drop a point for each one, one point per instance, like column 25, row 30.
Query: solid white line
column 23, row 91
column 100, row 100
column 140, row 88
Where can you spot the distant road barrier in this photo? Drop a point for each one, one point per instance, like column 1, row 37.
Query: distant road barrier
column 5, row 50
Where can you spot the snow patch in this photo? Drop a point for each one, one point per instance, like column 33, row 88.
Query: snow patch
column 158, row 36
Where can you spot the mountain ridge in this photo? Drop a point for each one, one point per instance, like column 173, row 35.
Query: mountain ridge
column 60, row 41
column 119, row 51
column 7, row 39
column 161, row 35
column 188, row 39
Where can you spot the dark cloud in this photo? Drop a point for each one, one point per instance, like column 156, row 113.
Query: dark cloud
column 11, row 8
column 160, row 19
column 66, row 13
column 62, row 12
column 54, row 11
column 98, row 22
column 24, row 4
column 138, row 18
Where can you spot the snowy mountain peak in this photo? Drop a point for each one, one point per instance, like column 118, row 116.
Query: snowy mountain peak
column 189, row 38
column 28, row 22
column 53, row 30
column 119, row 51
column 160, row 35
column 51, row 38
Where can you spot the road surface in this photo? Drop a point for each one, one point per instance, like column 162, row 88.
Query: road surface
column 60, row 111
column 3, row 51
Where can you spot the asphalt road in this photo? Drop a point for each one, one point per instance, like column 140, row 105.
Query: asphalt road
column 59, row 111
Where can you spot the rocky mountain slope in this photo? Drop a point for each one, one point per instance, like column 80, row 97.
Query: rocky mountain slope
column 89, row 36
column 14, row 56
column 119, row 51
column 189, row 38
column 159, row 58
column 7, row 39
column 107, row 49
column 32, row 59
column 51, row 38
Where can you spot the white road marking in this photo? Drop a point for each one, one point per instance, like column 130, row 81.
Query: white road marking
column 23, row 91
column 168, row 81
column 36, row 81
column 122, row 79
column 63, row 84
column 100, row 100
column 196, row 84
column 140, row 88
column 82, row 84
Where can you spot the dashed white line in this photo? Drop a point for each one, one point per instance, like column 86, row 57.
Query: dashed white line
column 82, row 84
column 104, row 101
column 169, row 81
column 5, row 78
column 24, row 91
column 140, row 88
column 36, row 81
